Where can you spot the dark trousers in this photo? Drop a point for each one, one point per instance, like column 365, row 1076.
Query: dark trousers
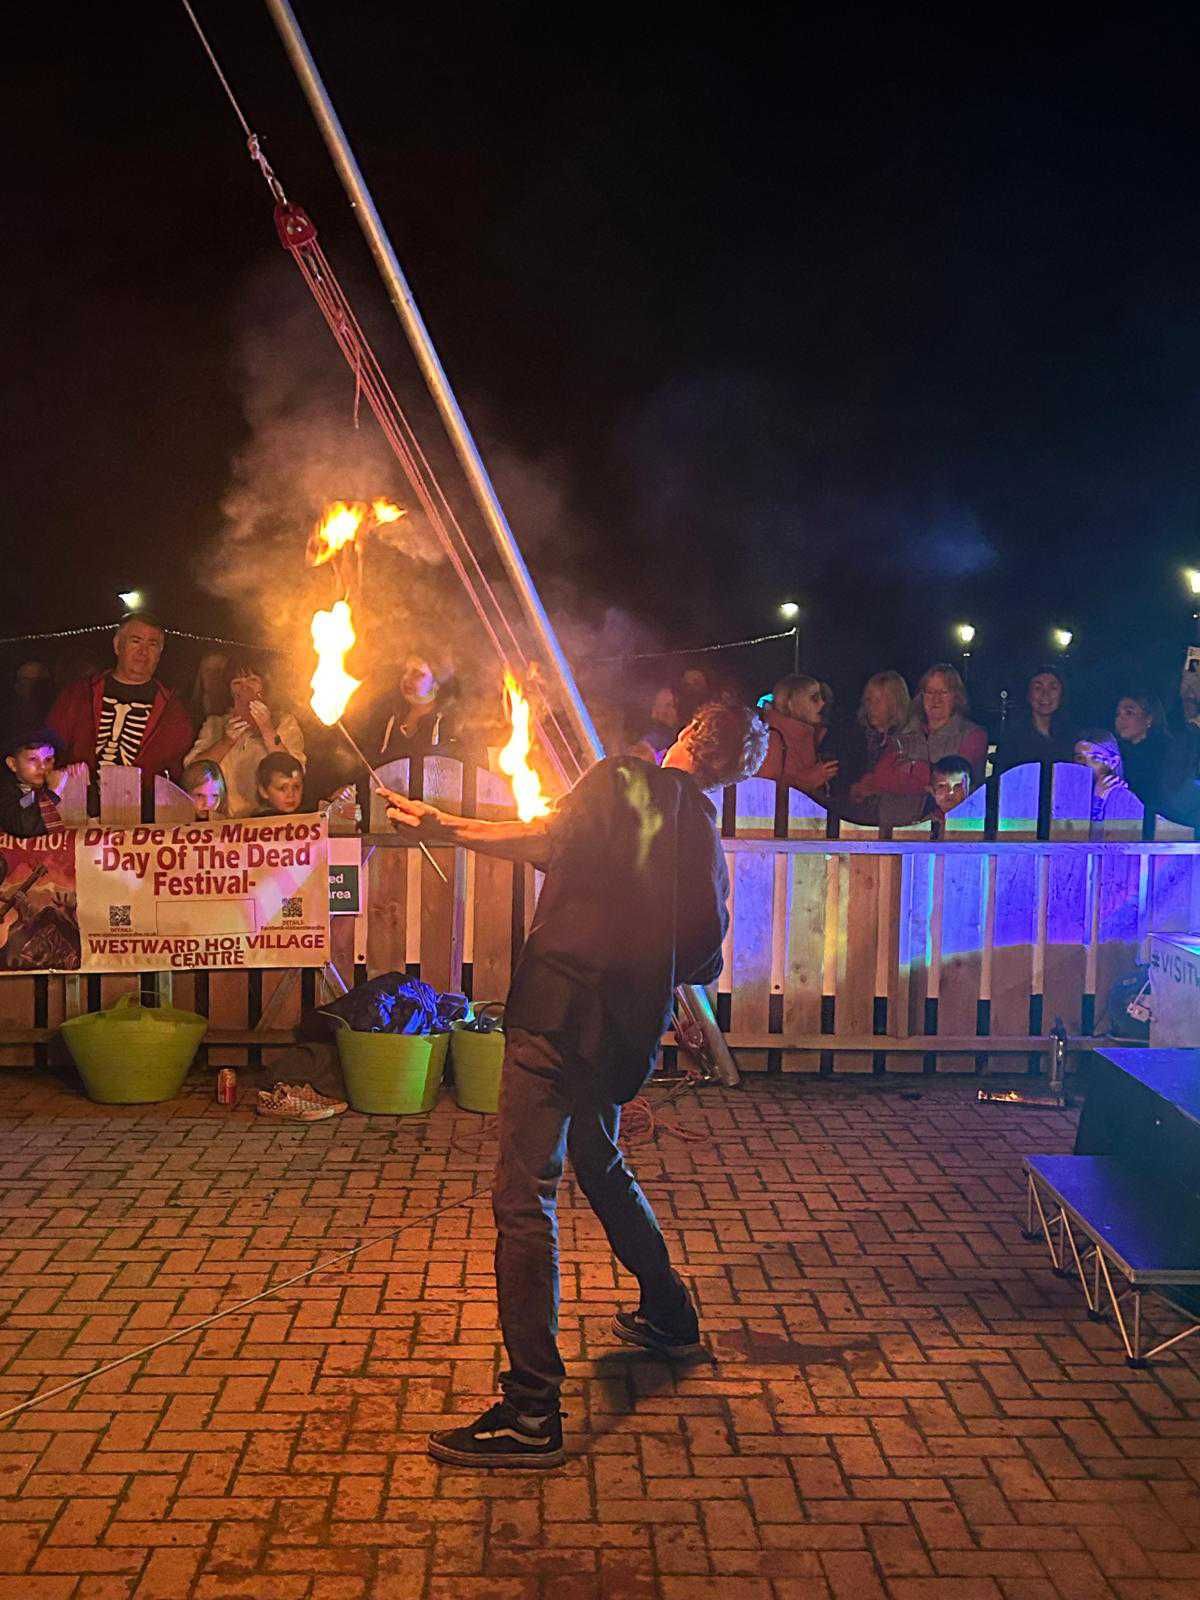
column 548, row 1110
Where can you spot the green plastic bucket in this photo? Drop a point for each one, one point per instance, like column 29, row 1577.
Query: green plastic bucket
column 476, row 1059
column 392, row 1074
column 133, row 1054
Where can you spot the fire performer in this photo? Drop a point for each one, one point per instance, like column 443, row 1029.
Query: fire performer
column 634, row 903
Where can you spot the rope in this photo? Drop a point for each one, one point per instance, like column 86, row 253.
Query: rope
column 235, row 644
column 370, row 381
column 278, row 650
column 63, row 633
column 241, row 1305
column 695, row 650
column 109, row 627
column 216, row 66
column 252, row 139
column 640, row 1126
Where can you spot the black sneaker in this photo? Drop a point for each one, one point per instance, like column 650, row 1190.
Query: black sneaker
column 501, row 1438
column 673, row 1343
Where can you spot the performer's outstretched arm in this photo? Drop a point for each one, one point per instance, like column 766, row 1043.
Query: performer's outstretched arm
column 512, row 841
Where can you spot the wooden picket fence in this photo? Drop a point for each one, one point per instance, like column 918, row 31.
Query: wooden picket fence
column 847, row 950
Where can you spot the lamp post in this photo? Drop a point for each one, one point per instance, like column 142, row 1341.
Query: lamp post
column 790, row 612
column 964, row 632
column 1061, row 638
column 1192, row 578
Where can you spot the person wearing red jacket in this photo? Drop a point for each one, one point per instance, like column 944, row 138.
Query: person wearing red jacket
column 795, row 716
column 125, row 717
column 938, row 727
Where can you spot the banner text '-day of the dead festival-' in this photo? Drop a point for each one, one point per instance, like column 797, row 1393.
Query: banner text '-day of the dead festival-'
column 156, row 897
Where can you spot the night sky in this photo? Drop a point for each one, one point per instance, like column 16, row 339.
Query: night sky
column 895, row 314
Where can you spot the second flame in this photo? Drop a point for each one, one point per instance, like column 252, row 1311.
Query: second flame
column 514, row 758
column 341, row 524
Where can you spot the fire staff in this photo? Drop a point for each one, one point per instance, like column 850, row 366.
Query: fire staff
column 634, row 903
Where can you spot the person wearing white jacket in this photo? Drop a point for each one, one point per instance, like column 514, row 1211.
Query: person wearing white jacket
column 238, row 738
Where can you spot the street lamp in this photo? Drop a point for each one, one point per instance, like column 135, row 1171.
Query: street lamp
column 1192, row 579
column 132, row 599
column 1061, row 638
column 790, row 612
column 964, row 632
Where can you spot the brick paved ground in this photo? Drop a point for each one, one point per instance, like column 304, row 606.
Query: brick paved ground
column 906, row 1403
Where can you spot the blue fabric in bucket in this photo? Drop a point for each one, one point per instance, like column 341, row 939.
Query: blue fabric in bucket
column 394, row 1003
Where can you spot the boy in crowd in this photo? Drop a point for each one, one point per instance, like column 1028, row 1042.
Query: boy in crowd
column 31, row 785
column 280, row 785
column 949, row 786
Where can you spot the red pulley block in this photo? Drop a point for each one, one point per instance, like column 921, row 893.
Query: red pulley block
column 294, row 227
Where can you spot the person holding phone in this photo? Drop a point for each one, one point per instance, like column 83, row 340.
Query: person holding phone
column 248, row 729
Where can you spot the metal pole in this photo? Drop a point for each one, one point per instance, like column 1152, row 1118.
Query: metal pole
column 796, row 650
column 405, row 305
column 695, row 1002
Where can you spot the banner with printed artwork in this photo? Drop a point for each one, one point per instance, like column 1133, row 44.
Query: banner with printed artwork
column 39, row 925
column 167, row 897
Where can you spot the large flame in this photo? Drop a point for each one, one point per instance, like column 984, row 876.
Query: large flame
column 332, row 636
column 342, row 522
column 514, row 758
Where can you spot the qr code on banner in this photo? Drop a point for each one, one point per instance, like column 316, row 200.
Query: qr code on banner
column 120, row 917
column 293, row 908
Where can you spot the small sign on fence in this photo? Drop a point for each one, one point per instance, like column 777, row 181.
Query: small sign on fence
column 346, row 878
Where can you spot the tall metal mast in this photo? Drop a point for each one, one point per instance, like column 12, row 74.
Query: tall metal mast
column 413, row 323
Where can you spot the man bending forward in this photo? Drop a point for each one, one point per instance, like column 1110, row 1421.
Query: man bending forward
column 633, row 905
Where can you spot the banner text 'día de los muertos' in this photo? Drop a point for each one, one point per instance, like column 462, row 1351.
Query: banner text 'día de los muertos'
column 164, row 896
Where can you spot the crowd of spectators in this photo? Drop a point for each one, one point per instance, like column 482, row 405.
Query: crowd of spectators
column 236, row 743
column 240, row 745
column 909, row 757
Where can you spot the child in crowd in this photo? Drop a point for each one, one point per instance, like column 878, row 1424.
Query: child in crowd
column 31, row 786
column 205, row 785
column 1098, row 749
column 949, row 786
column 280, row 785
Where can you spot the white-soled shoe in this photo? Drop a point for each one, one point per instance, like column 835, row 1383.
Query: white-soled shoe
column 297, row 1102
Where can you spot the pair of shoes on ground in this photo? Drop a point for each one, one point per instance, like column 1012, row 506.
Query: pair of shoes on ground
column 506, row 1437
column 297, row 1102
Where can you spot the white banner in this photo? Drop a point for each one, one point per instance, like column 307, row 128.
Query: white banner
column 172, row 896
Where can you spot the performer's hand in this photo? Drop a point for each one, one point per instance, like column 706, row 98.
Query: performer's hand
column 405, row 813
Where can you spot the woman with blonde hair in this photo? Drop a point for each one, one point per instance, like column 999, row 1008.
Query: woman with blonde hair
column 938, row 726
column 795, row 716
column 883, row 711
